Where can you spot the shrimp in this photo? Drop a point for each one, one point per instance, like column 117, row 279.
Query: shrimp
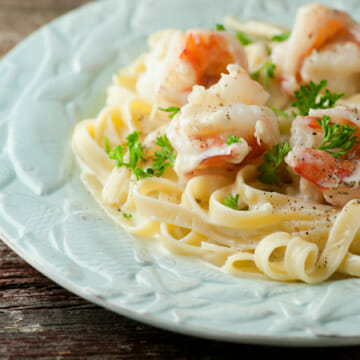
column 233, row 106
column 324, row 44
column 338, row 179
column 178, row 61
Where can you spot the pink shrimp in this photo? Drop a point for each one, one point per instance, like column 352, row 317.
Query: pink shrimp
column 179, row 61
column 233, row 107
column 338, row 179
column 324, row 44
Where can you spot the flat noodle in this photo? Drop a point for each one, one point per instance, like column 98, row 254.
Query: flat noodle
column 271, row 236
column 254, row 28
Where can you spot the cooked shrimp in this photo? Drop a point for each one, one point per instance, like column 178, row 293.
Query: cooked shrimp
column 324, row 44
column 233, row 106
column 178, row 61
column 337, row 179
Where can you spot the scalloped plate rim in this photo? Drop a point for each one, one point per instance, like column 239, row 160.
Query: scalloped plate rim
column 150, row 319
column 184, row 329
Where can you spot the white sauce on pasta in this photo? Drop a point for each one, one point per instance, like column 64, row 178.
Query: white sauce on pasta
column 273, row 235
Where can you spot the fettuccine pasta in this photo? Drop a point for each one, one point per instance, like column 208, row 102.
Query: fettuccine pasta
column 211, row 144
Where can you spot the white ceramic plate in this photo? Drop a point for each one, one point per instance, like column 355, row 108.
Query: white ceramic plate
column 58, row 76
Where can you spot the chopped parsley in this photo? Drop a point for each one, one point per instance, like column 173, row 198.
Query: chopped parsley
column 127, row 216
column 135, row 153
column 308, row 97
column 172, row 109
column 336, row 136
column 281, row 37
column 220, row 27
column 233, row 139
column 163, row 158
column 244, row 40
column 269, row 72
column 270, row 173
column 135, row 149
column 231, row 201
column 279, row 112
column 115, row 154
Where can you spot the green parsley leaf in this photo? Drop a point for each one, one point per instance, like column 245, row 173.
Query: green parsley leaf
column 307, row 98
column 336, row 136
column 220, row 27
column 107, row 145
column 172, row 109
column 142, row 174
column 269, row 171
column 281, row 37
column 165, row 157
column 233, row 139
column 127, row 216
column 279, row 112
column 244, row 40
column 269, row 72
column 231, row 201
column 161, row 161
column 115, row 154
column 135, row 149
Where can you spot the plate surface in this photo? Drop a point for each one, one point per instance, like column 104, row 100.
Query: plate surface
column 57, row 77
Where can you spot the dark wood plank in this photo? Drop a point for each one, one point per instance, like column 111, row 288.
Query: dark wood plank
column 19, row 18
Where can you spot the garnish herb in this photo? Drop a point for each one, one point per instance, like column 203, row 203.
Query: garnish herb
column 220, row 27
column 308, row 98
column 231, row 201
column 127, row 216
column 142, row 174
column 269, row 72
column 279, row 112
column 172, row 109
column 281, row 37
column 163, row 158
column 135, row 149
column 233, row 139
column 244, row 40
column 336, row 136
column 115, row 154
column 270, row 173
column 135, row 153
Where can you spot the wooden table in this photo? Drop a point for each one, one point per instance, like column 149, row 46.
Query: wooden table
column 39, row 319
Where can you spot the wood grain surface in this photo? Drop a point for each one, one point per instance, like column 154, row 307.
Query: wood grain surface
column 40, row 320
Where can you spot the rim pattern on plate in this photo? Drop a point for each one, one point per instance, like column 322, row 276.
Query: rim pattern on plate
column 58, row 76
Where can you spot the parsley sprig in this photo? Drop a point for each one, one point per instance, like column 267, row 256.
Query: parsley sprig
column 336, row 136
column 279, row 112
column 163, row 158
column 115, row 154
column 233, row 139
column 135, row 153
column 244, row 40
column 270, row 173
column 231, row 201
column 172, row 109
column 281, row 37
column 308, row 98
column 269, row 72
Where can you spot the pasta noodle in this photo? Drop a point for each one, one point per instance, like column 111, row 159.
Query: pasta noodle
column 286, row 233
